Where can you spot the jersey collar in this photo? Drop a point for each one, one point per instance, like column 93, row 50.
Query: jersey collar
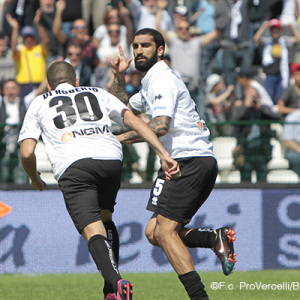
column 156, row 69
column 64, row 86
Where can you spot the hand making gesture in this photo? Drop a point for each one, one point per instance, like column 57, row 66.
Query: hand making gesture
column 119, row 65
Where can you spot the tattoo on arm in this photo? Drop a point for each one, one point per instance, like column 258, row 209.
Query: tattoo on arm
column 131, row 137
column 160, row 125
column 119, row 90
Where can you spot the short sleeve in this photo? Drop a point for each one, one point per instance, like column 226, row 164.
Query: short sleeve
column 115, row 108
column 31, row 127
column 163, row 93
column 136, row 102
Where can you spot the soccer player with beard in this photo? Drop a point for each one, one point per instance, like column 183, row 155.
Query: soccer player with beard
column 167, row 103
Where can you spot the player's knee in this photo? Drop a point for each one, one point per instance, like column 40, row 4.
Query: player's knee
column 165, row 235
column 150, row 235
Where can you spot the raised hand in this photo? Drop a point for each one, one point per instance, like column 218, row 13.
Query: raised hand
column 119, row 65
column 12, row 21
column 37, row 17
column 162, row 4
column 124, row 11
column 60, row 5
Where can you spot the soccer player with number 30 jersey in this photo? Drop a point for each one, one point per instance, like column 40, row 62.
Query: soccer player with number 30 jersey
column 75, row 124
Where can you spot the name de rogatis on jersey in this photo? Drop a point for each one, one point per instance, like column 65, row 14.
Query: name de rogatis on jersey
column 64, row 92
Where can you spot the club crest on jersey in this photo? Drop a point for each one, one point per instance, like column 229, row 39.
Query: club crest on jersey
column 93, row 131
column 158, row 97
column 202, row 125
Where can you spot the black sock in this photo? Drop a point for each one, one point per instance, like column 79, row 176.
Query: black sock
column 113, row 238
column 193, row 285
column 200, row 238
column 103, row 257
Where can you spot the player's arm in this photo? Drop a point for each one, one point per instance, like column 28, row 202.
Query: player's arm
column 170, row 166
column 28, row 160
column 159, row 125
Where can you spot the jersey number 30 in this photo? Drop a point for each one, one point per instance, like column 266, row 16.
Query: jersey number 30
column 87, row 106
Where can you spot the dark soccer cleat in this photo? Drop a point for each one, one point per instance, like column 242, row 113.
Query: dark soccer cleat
column 224, row 248
column 124, row 290
column 111, row 296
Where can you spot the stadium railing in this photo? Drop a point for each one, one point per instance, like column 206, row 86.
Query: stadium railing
column 279, row 172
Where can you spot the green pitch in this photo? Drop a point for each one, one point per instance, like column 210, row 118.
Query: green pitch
column 262, row 285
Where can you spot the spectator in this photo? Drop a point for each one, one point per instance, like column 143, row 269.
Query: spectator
column 259, row 11
column 288, row 19
column 253, row 151
column 180, row 14
column 114, row 15
column 205, row 15
column 7, row 65
column 205, row 21
column 144, row 14
column 275, row 57
column 218, row 101
column 22, row 11
column 291, row 96
column 291, row 138
column 12, row 113
column 109, row 48
column 79, row 35
column 48, row 13
column 93, row 10
column 232, row 19
column 107, row 51
column 185, row 53
column 83, row 71
column 245, row 77
column 30, row 59
column 133, row 82
column 288, row 13
column 72, row 13
column 3, row 8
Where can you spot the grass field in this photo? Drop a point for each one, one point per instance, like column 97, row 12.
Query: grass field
column 160, row 286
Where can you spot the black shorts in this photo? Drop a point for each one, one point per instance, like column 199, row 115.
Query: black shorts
column 89, row 185
column 180, row 198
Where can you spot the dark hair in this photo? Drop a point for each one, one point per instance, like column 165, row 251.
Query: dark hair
column 167, row 57
column 8, row 80
column 61, row 72
column 72, row 44
column 106, row 15
column 156, row 35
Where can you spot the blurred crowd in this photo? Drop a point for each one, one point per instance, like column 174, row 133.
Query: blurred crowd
column 240, row 60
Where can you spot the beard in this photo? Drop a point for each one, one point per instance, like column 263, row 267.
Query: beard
column 145, row 65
